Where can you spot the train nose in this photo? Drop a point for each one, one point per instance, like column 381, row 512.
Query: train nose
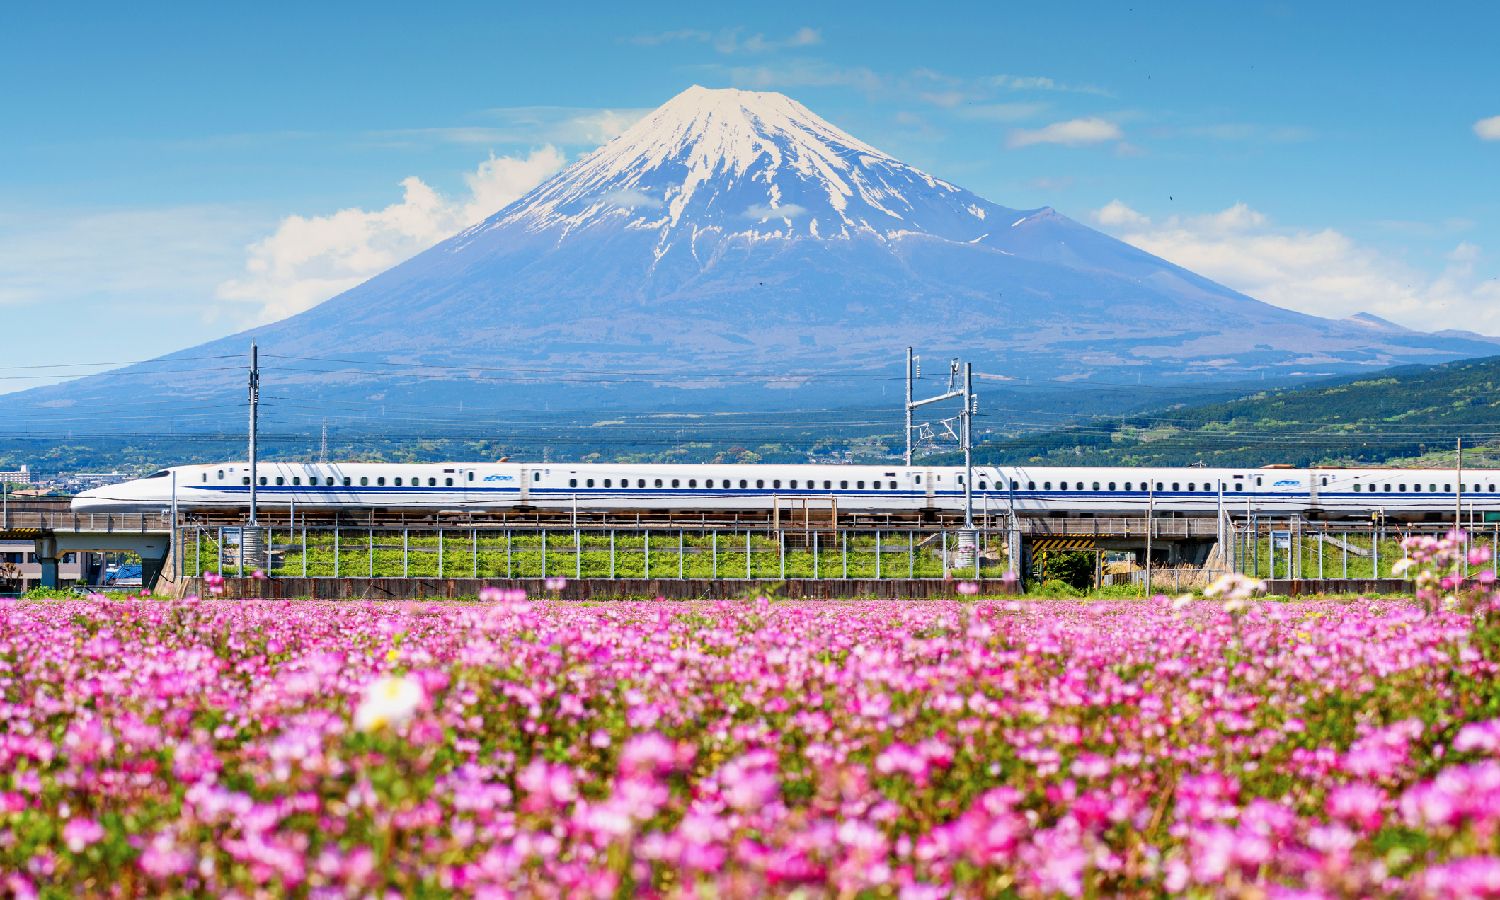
column 102, row 500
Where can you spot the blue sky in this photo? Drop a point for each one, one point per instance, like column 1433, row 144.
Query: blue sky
column 173, row 172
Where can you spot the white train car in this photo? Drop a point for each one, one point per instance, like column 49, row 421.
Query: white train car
column 1403, row 493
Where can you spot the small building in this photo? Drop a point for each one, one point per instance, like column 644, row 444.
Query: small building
column 20, row 477
column 20, row 570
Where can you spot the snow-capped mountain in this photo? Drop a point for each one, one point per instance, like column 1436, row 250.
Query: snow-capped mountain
column 731, row 243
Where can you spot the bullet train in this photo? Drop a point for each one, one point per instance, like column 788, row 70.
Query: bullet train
column 1399, row 493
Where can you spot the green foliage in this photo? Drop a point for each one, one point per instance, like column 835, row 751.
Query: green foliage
column 1408, row 415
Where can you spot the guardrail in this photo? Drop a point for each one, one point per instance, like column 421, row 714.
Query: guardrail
column 56, row 520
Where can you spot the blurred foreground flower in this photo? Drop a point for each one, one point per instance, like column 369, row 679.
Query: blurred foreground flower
column 388, row 702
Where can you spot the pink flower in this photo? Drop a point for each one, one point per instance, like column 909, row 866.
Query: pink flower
column 968, row 587
column 1359, row 804
column 79, row 833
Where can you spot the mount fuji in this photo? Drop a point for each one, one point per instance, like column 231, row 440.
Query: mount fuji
column 734, row 247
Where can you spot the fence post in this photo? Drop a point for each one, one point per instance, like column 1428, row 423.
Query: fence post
column 747, row 554
column 371, row 533
column 878, row 570
column 441, row 551
column 1375, row 551
column 846, row 554
column 474, row 546
column 911, row 554
column 781, row 550
column 577, row 553
column 816, row 568
column 681, row 558
column 944, row 534
column 714, row 552
column 1320, row 555
column 335, row 548
column 1346, row 557
column 508, row 569
column 198, row 551
column 544, row 553
column 646, row 552
column 405, row 552
column 611, row 554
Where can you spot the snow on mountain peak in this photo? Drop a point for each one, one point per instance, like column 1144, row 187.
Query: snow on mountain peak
column 732, row 162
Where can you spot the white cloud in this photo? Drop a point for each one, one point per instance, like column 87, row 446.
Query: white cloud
column 761, row 212
column 1323, row 272
column 1115, row 214
column 805, row 73
column 1072, row 133
column 1040, row 83
column 732, row 40
column 1488, row 129
column 308, row 259
column 633, row 198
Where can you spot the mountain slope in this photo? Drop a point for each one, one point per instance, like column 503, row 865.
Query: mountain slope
column 733, row 249
column 1413, row 413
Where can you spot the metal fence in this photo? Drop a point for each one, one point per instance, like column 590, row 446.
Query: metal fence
column 343, row 551
column 1298, row 548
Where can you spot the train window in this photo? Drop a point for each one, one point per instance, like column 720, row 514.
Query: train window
column 432, row 482
column 364, row 480
column 658, row 482
column 607, row 482
column 640, row 482
column 1127, row 485
column 1111, row 485
column 1492, row 488
column 984, row 485
column 1046, row 485
column 1401, row 488
column 572, row 482
column 205, row 477
column 221, row 474
column 919, row 481
column 1358, row 488
column 744, row 484
column 1190, row 486
column 675, row 482
column 296, row 480
column 1080, row 485
column 280, row 481
column 380, row 481
column 1387, row 489
column 760, row 482
column 245, row 480
column 1447, row 488
column 827, row 485
column 1096, row 485
column 1416, row 489
column 448, row 482
column 793, row 484
column 893, row 485
column 776, row 484
column 708, row 482
column 398, row 481
column 843, row 485
column 263, row 480
column 1031, row 485
column 535, row 476
column 590, row 482
column 471, row 478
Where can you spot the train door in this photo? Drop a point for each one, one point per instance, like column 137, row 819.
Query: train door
column 929, row 495
column 464, row 484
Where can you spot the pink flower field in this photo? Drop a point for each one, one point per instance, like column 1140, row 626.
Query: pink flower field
column 745, row 749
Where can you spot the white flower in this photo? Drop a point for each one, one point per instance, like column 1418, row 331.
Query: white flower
column 388, row 702
column 1402, row 565
column 1234, row 587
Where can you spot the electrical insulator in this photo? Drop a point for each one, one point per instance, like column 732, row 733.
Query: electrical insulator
column 974, row 405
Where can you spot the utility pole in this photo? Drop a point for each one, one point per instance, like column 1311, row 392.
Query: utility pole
column 1458, row 495
column 910, row 360
column 968, row 438
column 323, row 444
column 254, row 416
